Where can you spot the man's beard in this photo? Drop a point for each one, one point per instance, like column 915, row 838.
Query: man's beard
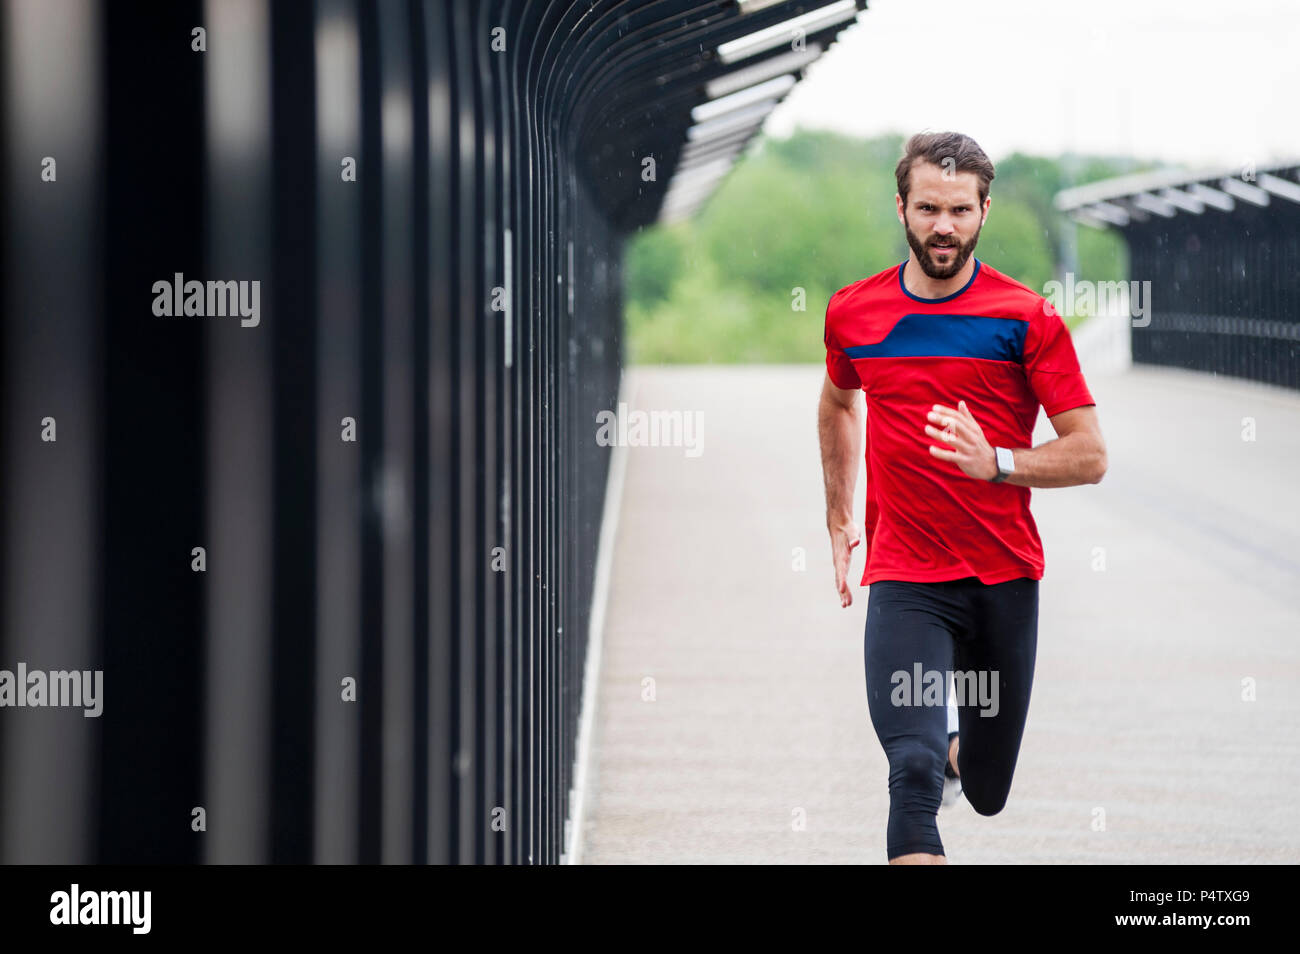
column 933, row 268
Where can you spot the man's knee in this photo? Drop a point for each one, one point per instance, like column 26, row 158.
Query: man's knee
column 984, row 798
column 919, row 767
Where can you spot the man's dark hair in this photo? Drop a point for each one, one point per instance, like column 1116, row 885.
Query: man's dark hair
column 947, row 150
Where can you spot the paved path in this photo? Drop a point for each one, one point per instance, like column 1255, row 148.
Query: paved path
column 759, row 716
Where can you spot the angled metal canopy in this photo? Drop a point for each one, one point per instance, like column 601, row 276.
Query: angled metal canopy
column 1213, row 252
column 688, row 85
column 1167, row 194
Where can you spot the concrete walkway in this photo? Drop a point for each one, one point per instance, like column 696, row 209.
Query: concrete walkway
column 757, row 746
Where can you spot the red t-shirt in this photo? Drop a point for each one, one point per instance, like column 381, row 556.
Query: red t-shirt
column 997, row 345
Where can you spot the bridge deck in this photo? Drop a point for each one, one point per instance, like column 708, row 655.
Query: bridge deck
column 759, row 713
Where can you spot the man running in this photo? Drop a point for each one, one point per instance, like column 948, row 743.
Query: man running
column 954, row 359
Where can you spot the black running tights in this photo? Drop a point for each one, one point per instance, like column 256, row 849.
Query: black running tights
column 916, row 634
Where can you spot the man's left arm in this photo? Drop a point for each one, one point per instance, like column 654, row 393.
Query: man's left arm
column 1076, row 456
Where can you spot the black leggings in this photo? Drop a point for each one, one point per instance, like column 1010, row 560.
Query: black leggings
column 927, row 629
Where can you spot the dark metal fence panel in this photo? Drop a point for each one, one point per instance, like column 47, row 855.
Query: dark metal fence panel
column 240, row 438
column 51, row 352
column 293, row 340
column 334, row 555
column 339, row 497
column 441, row 577
column 469, row 316
column 1225, row 292
column 154, row 479
column 1219, row 266
column 396, row 487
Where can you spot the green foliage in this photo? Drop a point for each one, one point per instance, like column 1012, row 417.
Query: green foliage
column 657, row 264
column 1016, row 243
column 816, row 212
column 1103, row 256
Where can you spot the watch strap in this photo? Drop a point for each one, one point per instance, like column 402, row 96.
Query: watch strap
column 1002, row 474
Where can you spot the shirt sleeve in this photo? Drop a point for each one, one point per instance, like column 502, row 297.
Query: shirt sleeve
column 838, row 365
column 1051, row 363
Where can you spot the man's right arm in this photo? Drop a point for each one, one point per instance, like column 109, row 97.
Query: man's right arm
column 840, row 429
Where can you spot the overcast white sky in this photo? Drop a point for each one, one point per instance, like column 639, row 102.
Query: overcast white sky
column 1194, row 82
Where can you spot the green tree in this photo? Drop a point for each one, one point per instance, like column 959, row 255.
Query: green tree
column 655, row 259
column 1016, row 243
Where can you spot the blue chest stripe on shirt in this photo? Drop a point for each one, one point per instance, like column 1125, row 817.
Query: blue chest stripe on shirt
column 950, row 336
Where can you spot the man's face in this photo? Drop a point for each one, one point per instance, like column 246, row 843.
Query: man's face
column 945, row 211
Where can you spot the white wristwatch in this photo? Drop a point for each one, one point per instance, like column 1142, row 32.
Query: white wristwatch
column 1006, row 463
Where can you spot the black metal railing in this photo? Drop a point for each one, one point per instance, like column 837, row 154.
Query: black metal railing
column 1224, row 293
column 328, row 531
column 1217, row 274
